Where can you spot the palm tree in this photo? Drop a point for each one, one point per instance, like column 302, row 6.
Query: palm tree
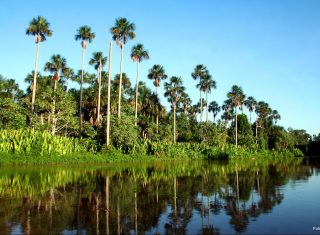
column 121, row 33
column 126, row 84
column 206, row 85
column 237, row 97
column 109, row 91
column 67, row 73
column 55, row 66
column 40, row 28
column 200, row 71
column 228, row 112
column 215, row 109
column 173, row 90
column 157, row 73
column 138, row 54
column 186, row 101
column 263, row 111
column 98, row 61
column 275, row 116
column 85, row 35
column 250, row 103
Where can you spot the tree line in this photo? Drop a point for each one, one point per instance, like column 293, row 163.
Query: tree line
column 110, row 105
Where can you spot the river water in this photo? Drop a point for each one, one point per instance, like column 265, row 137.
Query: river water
column 173, row 197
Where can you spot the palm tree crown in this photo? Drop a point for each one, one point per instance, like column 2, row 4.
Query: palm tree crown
column 173, row 89
column 39, row 27
column 138, row 53
column 84, row 34
column 236, row 95
column 98, row 60
column 55, row 65
column 122, row 31
column 157, row 73
column 199, row 72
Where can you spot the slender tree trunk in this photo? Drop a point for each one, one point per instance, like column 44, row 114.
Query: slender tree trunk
column 54, row 121
column 118, row 217
column 157, row 118
column 250, row 117
column 120, row 82
column 201, row 105
column 237, row 176
column 136, row 103
column 109, row 87
column 136, row 213
column 81, row 91
column 174, row 122
column 99, row 94
column 207, row 106
column 34, row 85
column 175, row 195
column 107, row 204
column 257, row 131
column 236, row 126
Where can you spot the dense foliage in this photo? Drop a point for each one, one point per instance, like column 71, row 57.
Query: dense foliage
column 64, row 119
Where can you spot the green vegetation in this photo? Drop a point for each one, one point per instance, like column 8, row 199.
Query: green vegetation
column 139, row 124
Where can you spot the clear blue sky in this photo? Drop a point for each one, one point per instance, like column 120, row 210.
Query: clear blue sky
column 270, row 48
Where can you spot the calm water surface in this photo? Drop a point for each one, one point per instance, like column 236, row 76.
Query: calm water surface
column 252, row 197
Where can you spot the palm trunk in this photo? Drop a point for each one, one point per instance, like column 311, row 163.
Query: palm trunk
column 81, row 91
column 175, row 195
column 236, row 127
column 257, row 131
column 157, row 118
column 120, row 82
column 53, row 126
column 250, row 117
column 34, row 85
column 107, row 205
column 174, row 122
column 136, row 103
column 201, row 105
column 136, row 213
column 207, row 105
column 109, row 84
column 99, row 94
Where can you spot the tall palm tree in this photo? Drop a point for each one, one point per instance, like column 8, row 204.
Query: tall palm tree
column 84, row 34
column 207, row 83
column 55, row 66
column 214, row 108
column 67, row 73
column 157, row 73
column 250, row 103
column 237, row 97
column 122, row 31
column 138, row 53
column 40, row 28
column 263, row 111
column 173, row 90
column 98, row 61
column 200, row 71
column 109, row 95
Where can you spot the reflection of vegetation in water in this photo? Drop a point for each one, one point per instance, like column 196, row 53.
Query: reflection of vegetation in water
column 124, row 199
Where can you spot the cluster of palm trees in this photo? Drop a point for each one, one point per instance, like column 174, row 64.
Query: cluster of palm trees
column 122, row 32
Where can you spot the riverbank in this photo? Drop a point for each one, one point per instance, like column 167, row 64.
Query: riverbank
column 116, row 156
